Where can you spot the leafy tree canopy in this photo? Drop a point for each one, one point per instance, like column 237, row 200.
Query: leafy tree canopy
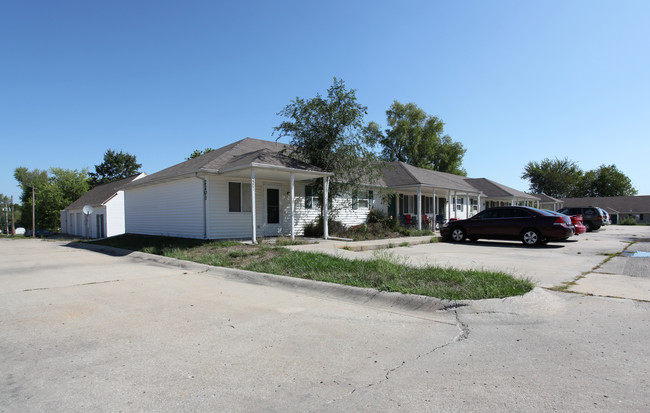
column 53, row 192
column 607, row 180
column 418, row 139
column 558, row 178
column 198, row 152
column 330, row 133
column 564, row 179
column 116, row 166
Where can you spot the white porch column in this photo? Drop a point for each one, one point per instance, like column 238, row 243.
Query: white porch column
column 467, row 203
column 512, row 203
column 478, row 207
column 448, row 204
column 326, row 184
column 435, row 206
column 293, row 207
column 419, row 209
column 455, row 204
column 253, row 209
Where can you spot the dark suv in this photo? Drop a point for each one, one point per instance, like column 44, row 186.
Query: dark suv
column 592, row 217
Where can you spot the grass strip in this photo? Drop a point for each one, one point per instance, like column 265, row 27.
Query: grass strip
column 384, row 272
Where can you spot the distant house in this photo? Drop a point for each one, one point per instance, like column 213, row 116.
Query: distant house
column 618, row 207
column 253, row 188
column 497, row 194
column 423, row 192
column 107, row 217
column 548, row 202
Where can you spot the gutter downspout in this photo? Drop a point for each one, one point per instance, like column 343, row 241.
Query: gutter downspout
column 205, row 205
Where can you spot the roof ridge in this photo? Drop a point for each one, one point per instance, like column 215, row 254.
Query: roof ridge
column 404, row 164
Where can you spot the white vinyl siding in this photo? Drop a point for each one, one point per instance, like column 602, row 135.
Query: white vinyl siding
column 169, row 209
column 114, row 216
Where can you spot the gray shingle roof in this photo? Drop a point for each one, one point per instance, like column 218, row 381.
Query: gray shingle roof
column 622, row 204
column 547, row 199
column 496, row 190
column 100, row 194
column 237, row 154
column 398, row 174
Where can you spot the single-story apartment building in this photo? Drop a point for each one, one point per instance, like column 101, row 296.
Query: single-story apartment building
column 253, row 188
column 618, row 207
column 107, row 216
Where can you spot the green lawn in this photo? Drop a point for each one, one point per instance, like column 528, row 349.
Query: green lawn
column 383, row 273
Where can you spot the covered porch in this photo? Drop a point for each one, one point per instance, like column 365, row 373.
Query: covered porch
column 269, row 190
column 423, row 206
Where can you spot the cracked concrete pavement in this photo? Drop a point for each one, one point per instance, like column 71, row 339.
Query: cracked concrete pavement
column 86, row 331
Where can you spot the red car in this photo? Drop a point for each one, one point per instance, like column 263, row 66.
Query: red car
column 578, row 226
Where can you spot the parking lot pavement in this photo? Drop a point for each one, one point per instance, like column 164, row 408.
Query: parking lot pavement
column 585, row 261
column 85, row 331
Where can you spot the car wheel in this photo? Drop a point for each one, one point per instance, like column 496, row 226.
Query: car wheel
column 588, row 226
column 457, row 234
column 531, row 237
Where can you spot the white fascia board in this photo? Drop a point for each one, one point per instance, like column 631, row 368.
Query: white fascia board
column 272, row 167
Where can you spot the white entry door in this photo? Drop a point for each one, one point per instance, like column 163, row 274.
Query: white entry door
column 272, row 211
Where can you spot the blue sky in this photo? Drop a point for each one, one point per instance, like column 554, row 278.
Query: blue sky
column 514, row 81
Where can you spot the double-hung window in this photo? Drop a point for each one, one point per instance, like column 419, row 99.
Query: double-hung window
column 364, row 200
column 239, row 197
column 311, row 200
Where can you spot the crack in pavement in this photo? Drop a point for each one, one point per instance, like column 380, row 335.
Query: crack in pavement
column 463, row 334
column 74, row 285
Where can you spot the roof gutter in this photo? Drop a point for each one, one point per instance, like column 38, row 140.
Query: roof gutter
column 272, row 167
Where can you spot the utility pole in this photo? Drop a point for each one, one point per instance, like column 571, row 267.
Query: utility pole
column 13, row 227
column 33, row 214
column 6, row 211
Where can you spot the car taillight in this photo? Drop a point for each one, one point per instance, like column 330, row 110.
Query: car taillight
column 561, row 221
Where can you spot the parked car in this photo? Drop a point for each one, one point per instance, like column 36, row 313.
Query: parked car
column 591, row 216
column 606, row 219
column 530, row 225
column 39, row 233
column 578, row 225
column 576, row 221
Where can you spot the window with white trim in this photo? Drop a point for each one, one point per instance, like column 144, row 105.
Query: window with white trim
column 239, row 197
column 364, row 200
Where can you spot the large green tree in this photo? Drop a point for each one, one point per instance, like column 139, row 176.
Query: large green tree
column 330, row 132
column 53, row 192
column 416, row 138
column 607, row 180
column 559, row 178
column 116, row 166
column 564, row 179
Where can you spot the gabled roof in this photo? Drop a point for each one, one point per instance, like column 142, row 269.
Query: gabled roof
column 400, row 174
column 496, row 190
column 547, row 199
column 614, row 204
column 241, row 154
column 101, row 194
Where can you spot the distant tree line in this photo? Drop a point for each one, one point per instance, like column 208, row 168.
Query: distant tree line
column 562, row 178
column 56, row 188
